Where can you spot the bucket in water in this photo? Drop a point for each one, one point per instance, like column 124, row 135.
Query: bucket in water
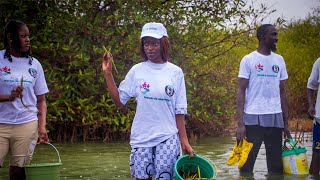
column 294, row 159
column 186, row 167
column 44, row 171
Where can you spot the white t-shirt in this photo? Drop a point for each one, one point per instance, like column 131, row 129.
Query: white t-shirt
column 264, row 74
column 160, row 93
column 313, row 83
column 34, row 83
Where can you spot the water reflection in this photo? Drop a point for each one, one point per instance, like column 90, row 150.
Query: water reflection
column 98, row 161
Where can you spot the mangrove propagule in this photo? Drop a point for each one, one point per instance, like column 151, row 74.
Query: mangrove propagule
column 21, row 84
column 192, row 174
column 108, row 51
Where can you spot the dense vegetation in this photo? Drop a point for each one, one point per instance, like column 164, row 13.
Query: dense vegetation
column 208, row 39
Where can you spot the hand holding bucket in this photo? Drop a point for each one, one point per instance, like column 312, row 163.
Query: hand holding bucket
column 47, row 171
column 199, row 165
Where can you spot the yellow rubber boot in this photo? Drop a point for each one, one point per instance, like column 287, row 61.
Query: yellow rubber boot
column 245, row 150
column 234, row 156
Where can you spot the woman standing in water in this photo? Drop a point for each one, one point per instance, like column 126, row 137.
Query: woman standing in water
column 22, row 99
column 158, row 86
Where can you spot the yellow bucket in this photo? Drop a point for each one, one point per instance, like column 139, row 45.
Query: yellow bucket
column 295, row 159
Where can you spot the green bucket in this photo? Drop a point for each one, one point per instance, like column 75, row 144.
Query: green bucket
column 44, row 171
column 185, row 165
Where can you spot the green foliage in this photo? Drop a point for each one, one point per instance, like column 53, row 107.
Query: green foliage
column 68, row 35
column 299, row 44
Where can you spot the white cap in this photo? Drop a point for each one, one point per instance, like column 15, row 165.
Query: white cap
column 155, row 30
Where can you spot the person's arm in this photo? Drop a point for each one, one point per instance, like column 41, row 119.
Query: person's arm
column 4, row 98
column 186, row 148
column 107, row 73
column 42, row 113
column 241, row 96
column 284, row 107
column 15, row 93
column 312, row 87
column 310, row 97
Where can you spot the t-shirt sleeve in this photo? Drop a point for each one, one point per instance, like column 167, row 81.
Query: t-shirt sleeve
column 40, row 86
column 283, row 73
column 127, row 87
column 181, row 101
column 244, row 69
column 313, row 81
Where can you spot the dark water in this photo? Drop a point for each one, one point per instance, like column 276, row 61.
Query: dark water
column 98, row 161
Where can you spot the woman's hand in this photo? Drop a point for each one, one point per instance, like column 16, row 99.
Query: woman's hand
column 16, row 93
column 187, row 149
column 43, row 136
column 107, row 62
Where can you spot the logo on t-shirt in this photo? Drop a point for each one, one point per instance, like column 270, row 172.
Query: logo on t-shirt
column 259, row 67
column 33, row 72
column 5, row 71
column 144, row 88
column 169, row 90
column 275, row 68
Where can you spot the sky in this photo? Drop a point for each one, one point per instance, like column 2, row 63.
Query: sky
column 288, row 9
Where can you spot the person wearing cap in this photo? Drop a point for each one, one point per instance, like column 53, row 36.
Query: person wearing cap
column 158, row 129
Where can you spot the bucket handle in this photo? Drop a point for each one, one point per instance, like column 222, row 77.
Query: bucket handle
column 56, row 151
column 291, row 142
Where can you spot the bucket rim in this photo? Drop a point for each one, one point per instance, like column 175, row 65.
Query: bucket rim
column 42, row 165
column 211, row 164
column 294, row 152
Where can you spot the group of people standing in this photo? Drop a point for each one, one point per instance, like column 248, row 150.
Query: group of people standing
column 158, row 132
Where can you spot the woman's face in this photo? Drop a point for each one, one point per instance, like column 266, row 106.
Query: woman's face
column 24, row 38
column 152, row 48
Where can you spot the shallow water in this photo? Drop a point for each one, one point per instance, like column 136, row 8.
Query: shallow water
column 98, row 161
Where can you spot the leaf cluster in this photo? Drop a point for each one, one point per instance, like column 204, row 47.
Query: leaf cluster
column 68, row 36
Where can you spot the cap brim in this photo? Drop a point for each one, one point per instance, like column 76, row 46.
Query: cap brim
column 157, row 36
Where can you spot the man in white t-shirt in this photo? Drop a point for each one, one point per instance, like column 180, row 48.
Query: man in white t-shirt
column 261, row 101
column 314, row 112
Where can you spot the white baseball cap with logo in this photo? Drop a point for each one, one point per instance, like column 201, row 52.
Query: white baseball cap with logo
column 155, row 30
